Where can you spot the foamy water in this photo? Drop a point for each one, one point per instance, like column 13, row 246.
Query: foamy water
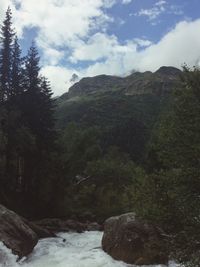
column 78, row 250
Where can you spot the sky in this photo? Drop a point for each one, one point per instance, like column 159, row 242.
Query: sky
column 115, row 37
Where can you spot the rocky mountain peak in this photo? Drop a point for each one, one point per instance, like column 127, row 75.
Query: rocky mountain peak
column 166, row 70
column 159, row 82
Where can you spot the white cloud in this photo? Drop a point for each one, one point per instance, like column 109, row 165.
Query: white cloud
column 160, row 3
column 178, row 46
column 159, row 8
column 59, row 77
column 50, row 55
column 115, row 62
column 142, row 42
column 59, row 22
column 97, row 47
column 126, row 2
column 153, row 12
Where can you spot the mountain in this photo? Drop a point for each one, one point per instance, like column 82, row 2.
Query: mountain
column 164, row 79
column 159, row 82
column 125, row 110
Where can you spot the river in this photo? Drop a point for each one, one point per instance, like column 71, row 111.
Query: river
column 68, row 250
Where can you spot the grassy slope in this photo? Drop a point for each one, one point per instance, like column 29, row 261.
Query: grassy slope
column 125, row 121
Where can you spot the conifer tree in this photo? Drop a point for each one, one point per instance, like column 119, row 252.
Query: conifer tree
column 32, row 69
column 39, row 108
column 8, row 118
column 16, row 70
column 47, row 111
column 6, row 45
column 32, row 101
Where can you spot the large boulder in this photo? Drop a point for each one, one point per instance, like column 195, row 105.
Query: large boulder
column 15, row 233
column 129, row 239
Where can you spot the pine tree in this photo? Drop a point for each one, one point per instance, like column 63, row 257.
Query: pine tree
column 32, row 69
column 47, row 112
column 31, row 103
column 39, row 118
column 16, row 70
column 6, row 45
column 9, row 116
column 40, row 106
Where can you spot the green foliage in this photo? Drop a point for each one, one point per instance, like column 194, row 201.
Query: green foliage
column 123, row 121
column 114, row 168
column 77, row 147
column 176, row 185
column 102, row 188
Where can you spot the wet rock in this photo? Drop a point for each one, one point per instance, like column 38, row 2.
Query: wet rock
column 40, row 231
column 15, row 233
column 133, row 241
column 94, row 227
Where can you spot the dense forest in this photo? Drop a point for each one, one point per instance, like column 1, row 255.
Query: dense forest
column 100, row 154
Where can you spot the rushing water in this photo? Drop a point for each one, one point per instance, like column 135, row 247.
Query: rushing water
column 68, row 250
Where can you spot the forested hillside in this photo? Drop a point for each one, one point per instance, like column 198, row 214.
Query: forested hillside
column 124, row 110
column 109, row 146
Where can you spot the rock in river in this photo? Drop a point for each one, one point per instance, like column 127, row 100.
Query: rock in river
column 129, row 239
column 15, row 233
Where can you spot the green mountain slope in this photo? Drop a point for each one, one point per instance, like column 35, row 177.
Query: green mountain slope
column 124, row 110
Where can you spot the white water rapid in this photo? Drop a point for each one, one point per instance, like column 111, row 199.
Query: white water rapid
column 77, row 250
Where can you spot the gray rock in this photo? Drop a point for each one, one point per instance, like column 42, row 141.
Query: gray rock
column 94, row 227
column 128, row 239
column 15, row 233
column 40, row 231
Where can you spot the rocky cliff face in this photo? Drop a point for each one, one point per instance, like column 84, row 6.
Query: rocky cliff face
column 91, row 85
column 159, row 82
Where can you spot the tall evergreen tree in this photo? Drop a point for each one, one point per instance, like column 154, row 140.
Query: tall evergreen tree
column 47, row 112
column 39, row 104
column 16, row 70
column 6, row 45
column 8, row 118
column 32, row 101
column 32, row 69
column 38, row 117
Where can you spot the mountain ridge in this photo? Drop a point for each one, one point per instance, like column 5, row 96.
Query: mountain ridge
column 158, row 82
